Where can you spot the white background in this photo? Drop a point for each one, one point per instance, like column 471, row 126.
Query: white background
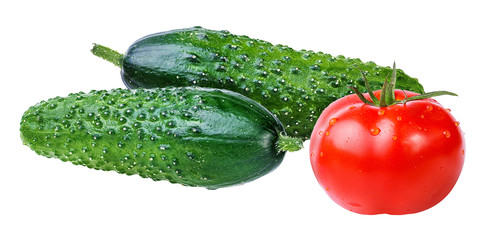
column 45, row 53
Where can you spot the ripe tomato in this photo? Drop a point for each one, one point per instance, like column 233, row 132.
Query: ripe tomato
column 399, row 159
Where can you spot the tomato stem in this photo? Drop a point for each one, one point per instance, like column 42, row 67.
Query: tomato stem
column 388, row 97
column 388, row 89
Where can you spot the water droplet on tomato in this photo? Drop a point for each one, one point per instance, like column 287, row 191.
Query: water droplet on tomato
column 375, row 131
column 394, row 137
column 327, row 133
column 352, row 107
column 332, row 121
column 457, row 124
column 429, row 107
column 448, row 110
column 320, row 133
column 399, row 118
column 381, row 112
column 447, row 134
column 422, row 116
column 321, row 154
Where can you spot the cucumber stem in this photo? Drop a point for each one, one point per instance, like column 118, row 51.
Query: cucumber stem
column 289, row 144
column 107, row 54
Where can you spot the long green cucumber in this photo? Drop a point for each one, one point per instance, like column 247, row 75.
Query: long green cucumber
column 192, row 136
column 294, row 85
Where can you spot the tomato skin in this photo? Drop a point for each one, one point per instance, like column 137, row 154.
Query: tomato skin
column 399, row 159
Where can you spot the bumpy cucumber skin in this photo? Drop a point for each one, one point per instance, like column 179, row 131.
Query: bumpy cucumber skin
column 192, row 136
column 295, row 86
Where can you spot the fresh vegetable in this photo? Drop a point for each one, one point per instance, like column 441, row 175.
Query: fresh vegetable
column 392, row 151
column 192, row 136
column 294, row 85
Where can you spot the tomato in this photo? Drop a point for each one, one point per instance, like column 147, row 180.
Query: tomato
column 397, row 159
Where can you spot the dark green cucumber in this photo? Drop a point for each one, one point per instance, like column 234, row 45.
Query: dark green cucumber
column 294, row 85
column 192, row 136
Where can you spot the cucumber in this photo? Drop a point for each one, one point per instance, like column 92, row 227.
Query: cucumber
column 193, row 136
column 294, row 85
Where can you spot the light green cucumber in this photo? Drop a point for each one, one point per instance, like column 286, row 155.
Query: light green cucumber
column 193, row 136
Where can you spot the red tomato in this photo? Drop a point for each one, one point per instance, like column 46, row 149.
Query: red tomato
column 399, row 159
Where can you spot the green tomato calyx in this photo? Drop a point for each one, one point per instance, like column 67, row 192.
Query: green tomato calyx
column 388, row 97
